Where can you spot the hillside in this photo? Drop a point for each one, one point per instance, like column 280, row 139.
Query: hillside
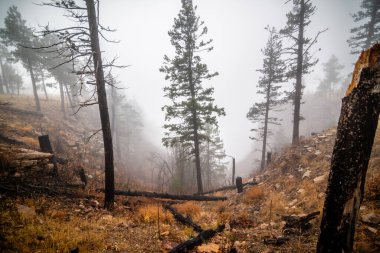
column 52, row 217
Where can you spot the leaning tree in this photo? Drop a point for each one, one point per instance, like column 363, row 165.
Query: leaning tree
column 272, row 74
column 300, row 60
column 79, row 45
column 192, row 105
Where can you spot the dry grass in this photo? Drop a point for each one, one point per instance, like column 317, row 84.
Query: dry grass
column 253, row 195
column 189, row 208
column 149, row 214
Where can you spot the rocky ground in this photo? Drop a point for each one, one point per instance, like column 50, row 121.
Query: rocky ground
column 41, row 214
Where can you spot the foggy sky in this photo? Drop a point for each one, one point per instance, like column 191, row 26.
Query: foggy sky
column 237, row 28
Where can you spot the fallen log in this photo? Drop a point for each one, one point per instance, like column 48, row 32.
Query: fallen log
column 196, row 241
column 230, row 187
column 168, row 196
column 32, row 156
column 184, row 220
column 296, row 224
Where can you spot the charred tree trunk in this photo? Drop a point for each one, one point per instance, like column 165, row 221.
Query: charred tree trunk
column 356, row 131
column 103, row 108
column 298, row 90
column 36, row 99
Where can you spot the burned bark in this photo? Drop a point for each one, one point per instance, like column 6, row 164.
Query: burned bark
column 46, row 147
column 103, row 107
column 169, row 196
column 298, row 224
column 196, row 241
column 355, row 136
column 184, row 220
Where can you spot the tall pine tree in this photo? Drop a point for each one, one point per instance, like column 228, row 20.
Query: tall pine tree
column 272, row 74
column 364, row 35
column 300, row 59
column 192, row 104
column 16, row 33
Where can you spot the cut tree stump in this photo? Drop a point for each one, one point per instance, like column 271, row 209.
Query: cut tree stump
column 355, row 136
column 169, row 196
column 46, row 147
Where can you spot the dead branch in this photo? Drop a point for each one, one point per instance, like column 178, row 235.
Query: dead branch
column 184, row 220
column 193, row 242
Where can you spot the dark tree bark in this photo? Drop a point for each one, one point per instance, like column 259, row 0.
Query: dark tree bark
column 36, row 99
column 298, row 91
column 356, row 132
column 193, row 242
column 103, row 108
column 184, row 220
column 239, row 184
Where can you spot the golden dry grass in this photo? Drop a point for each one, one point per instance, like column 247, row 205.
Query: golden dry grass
column 189, row 208
column 253, row 195
column 150, row 213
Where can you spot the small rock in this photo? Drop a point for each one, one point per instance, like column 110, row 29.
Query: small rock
column 306, row 174
column 277, row 186
column 371, row 218
column 94, row 203
column 372, row 230
column 317, row 152
column 362, row 208
column 319, row 179
column 263, row 226
column 301, row 191
column 290, row 176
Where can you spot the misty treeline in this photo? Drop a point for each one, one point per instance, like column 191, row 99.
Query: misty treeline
column 70, row 60
column 289, row 55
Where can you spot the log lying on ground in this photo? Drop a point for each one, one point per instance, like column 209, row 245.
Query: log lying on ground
column 230, row 187
column 196, row 241
column 296, row 224
column 276, row 240
column 169, row 196
column 184, row 220
column 352, row 150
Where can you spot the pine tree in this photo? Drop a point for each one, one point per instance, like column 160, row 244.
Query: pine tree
column 192, row 104
column 272, row 74
column 14, row 79
column 16, row 33
column 331, row 69
column 366, row 34
column 213, row 154
column 300, row 59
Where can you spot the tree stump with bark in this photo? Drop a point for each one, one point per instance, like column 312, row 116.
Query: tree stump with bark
column 355, row 136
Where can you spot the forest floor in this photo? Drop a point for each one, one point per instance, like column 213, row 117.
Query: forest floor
column 39, row 213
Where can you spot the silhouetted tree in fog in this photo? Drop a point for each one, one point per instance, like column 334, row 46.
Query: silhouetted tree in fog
column 192, row 104
column 300, row 60
column 366, row 34
column 17, row 34
column 331, row 69
column 14, row 80
column 80, row 45
column 272, row 74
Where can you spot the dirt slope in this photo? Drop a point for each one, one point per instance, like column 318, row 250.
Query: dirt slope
column 293, row 184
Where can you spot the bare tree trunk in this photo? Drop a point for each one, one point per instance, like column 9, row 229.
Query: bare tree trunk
column 36, row 99
column 62, row 99
column 5, row 83
column 356, row 132
column 298, row 90
column 69, row 98
column 1, row 85
column 43, row 83
column 264, row 149
column 103, row 108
